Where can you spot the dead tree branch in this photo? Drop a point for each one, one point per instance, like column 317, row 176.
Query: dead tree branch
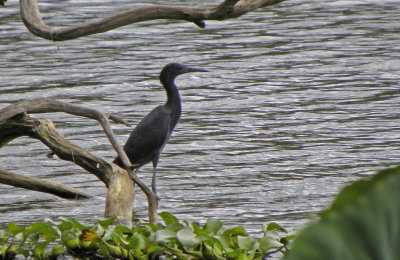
column 119, row 201
column 60, row 190
column 228, row 9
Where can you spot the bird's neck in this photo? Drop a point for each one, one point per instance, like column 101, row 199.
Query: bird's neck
column 173, row 98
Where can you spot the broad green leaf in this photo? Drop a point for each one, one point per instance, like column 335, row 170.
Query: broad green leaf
column 225, row 240
column 273, row 226
column 138, row 241
column 46, row 231
column 234, row 254
column 267, row 243
column 14, row 229
column 165, row 234
column 362, row 223
column 105, row 223
column 123, row 230
column 207, row 251
column 33, row 239
column 57, row 250
column 213, row 225
column 4, row 236
column 155, row 250
column 245, row 243
column 187, row 238
column 196, row 228
column 78, row 225
column 39, row 249
column 236, row 231
column 3, row 250
column 168, row 218
column 175, row 227
column 65, row 225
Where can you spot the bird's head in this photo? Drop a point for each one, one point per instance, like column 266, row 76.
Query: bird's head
column 172, row 70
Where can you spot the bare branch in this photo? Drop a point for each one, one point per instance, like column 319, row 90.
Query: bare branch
column 228, row 9
column 43, row 105
column 45, row 131
column 36, row 184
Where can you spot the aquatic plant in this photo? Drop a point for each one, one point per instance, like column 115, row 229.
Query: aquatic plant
column 171, row 240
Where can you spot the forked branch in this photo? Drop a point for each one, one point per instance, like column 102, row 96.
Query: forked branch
column 119, row 202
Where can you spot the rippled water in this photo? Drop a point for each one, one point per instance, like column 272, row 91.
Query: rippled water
column 301, row 98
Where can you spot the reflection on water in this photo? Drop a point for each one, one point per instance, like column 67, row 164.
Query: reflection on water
column 301, row 98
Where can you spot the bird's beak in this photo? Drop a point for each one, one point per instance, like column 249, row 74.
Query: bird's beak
column 188, row 69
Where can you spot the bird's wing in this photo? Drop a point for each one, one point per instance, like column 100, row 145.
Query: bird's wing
column 149, row 136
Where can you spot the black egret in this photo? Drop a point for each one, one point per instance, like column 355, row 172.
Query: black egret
column 149, row 137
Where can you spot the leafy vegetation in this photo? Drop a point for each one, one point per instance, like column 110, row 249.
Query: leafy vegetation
column 362, row 223
column 173, row 240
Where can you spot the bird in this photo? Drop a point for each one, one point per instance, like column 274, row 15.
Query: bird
column 151, row 134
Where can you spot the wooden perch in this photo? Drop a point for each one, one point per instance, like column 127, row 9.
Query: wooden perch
column 228, row 9
column 60, row 190
column 14, row 122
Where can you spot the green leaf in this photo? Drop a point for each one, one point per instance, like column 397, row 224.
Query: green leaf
column 168, row 218
column 39, row 249
column 46, row 231
column 76, row 224
column 267, row 243
column 33, row 239
column 4, row 236
column 273, row 226
column 207, row 252
column 14, row 229
column 245, row 243
column 57, row 250
column 138, row 241
column 236, row 231
column 105, row 223
column 65, row 225
column 164, row 234
column 123, row 230
column 3, row 251
column 175, row 227
column 213, row 225
column 187, row 238
column 234, row 254
column 362, row 223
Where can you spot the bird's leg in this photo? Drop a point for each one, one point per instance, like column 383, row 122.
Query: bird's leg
column 153, row 180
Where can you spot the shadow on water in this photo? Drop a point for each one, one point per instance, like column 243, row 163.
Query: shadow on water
column 301, row 99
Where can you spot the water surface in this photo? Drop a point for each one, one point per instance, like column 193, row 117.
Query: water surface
column 301, row 99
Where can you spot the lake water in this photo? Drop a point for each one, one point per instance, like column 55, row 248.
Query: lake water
column 301, row 99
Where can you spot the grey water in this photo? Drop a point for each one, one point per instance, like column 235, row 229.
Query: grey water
column 301, row 99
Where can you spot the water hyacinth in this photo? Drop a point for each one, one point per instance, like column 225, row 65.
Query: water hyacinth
column 171, row 240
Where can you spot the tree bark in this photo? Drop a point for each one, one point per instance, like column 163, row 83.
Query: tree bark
column 228, row 9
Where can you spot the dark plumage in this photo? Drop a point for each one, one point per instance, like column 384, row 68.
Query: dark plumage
column 149, row 137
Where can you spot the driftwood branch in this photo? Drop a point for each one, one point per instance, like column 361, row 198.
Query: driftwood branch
column 226, row 10
column 119, row 201
column 36, row 184
column 43, row 105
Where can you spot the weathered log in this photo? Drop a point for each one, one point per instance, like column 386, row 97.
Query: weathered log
column 226, row 10
column 30, row 183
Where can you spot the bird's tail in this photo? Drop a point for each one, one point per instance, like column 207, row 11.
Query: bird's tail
column 118, row 162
